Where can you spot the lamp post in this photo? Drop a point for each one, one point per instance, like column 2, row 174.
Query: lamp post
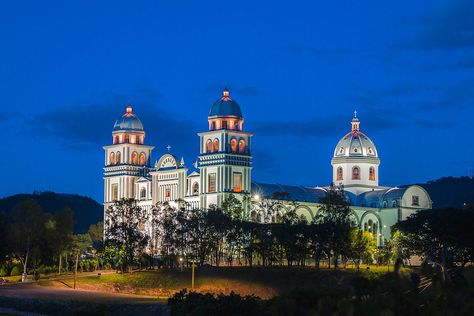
column 192, row 274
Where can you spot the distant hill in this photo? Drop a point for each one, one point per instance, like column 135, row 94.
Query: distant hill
column 86, row 210
column 450, row 191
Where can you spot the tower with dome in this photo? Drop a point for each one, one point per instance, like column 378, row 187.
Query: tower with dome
column 224, row 168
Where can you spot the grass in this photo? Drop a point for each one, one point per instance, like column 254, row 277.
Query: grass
column 265, row 282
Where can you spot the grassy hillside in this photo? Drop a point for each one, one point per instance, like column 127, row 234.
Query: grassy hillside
column 86, row 210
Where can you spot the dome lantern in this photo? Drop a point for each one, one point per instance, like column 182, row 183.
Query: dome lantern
column 355, row 122
column 225, row 113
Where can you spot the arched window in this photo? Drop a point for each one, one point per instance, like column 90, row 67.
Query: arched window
column 216, row 145
column 134, row 158
column 209, row 146
column 116, row 139
column 118, row 157
column 196, row 188
column 233, row 145
column 241, row 146
column 355, row 173
column 142, row 194
column 127, row 138
column 339, row 174
column 142, row 159
column 372, row 173
column 112, row 159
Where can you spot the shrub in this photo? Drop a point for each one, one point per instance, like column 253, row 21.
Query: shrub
column 16, row 271
column 3, row 272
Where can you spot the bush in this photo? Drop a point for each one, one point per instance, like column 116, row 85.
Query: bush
column 45, row 269
column 16, row 271
column 3, row 272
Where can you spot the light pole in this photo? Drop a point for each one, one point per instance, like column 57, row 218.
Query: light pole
column 192, row 274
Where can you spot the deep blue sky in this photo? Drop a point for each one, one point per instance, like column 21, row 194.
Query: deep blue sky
column 297, row 68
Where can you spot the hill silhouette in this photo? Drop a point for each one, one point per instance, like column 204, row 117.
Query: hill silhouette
column 86, row 210
column 450, row 191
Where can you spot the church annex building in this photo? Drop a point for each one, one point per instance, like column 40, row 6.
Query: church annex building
column 224, row 167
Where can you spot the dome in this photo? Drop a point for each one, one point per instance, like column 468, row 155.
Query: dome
column 225, row 106
column 129, row 121
column 355, row 143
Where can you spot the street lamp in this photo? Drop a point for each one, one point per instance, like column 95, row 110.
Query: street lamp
column 181, row 263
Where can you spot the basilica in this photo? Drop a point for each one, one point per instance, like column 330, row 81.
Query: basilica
column 224, row 167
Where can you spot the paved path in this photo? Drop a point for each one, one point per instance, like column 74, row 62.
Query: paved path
column 32, row 290
column 52, row 299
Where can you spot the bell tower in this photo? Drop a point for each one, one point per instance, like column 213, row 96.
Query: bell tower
column 225, row 154
column 126, row 160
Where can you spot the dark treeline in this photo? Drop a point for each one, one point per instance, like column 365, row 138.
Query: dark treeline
column 34, row 240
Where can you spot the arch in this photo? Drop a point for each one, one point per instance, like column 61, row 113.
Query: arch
column 305, row 210
column 134, row 158
column 216, row 145
column 142, row 194
column 372, row 174
column 339, row 175
column 208, row 146
column 112, row 159
column 233, row 145
column 126, row 138
column 195, row 189
column 118, row 157
column 116, row 139
column 373, row 229
column 142, row 159
column 241, row 146
column 355, row 173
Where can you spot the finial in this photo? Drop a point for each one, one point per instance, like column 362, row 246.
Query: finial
column 182, row 161
column 355, row 113
column 129, row 108
column 168, row 147
column 225, row 93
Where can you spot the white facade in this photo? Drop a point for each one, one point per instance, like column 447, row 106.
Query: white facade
column 224, row 167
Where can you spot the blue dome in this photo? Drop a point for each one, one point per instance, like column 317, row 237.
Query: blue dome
column 129, row 121
column 226, row 106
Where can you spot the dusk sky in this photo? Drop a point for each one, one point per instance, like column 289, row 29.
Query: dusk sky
column 298, row 69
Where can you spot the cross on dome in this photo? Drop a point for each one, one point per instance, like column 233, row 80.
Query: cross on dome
column 168, row 147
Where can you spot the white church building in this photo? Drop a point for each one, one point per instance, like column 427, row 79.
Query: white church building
column 224, row 167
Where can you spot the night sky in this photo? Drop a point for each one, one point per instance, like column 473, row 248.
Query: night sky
column 298, row 69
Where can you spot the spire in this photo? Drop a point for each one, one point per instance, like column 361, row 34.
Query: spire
column 182, row 162
column 355, row 122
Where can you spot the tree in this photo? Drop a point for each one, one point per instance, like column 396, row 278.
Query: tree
column 233, row 207
column 4, row 228
column 27, row 229
column 335, row 216
column 443, row 236
column 363, row 246
column 124, row 229
column 80, row 243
